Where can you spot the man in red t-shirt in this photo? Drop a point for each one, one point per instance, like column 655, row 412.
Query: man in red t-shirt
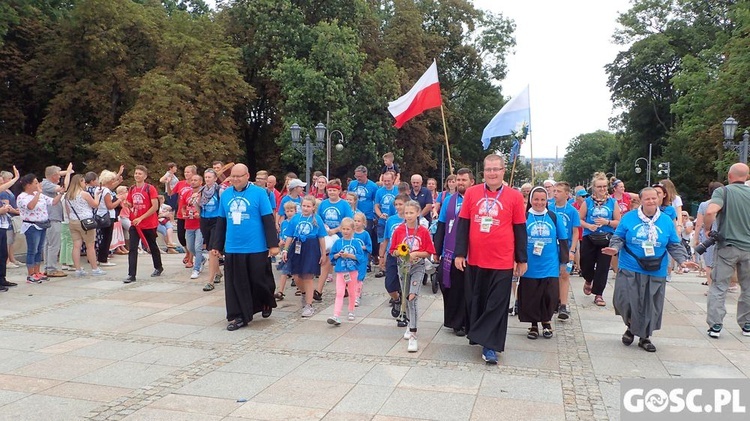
column 181, row 187
column 188, row 205
column 143, row 202
column 491, row 248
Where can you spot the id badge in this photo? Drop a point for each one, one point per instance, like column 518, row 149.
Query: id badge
column 236, row 218
column 450, row 226
column 538, row 247
column 486, row 224
column 648, row 249
column 297, row 247
column 347, row 277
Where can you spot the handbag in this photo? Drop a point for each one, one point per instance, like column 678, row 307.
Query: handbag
column 600, row 239
column 86, row 223
column 41, row 224
column 649, row 264
column 102, row 221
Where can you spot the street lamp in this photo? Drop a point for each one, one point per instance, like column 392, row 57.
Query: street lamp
column 308, row 148
column 730, row 128
column 638, row 168
column 663, row 169
column 327, row 133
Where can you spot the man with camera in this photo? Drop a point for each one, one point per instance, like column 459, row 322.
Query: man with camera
column 729, row 206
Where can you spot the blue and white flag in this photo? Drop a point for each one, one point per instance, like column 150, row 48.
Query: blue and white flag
column 515, row 113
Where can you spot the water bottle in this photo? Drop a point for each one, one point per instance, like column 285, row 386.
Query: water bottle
column 569, row 267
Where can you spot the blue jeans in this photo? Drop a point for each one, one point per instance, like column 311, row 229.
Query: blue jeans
column 194, row 240
column 34, row 246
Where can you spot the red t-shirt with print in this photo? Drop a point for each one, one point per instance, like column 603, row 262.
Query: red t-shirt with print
column 493, row 249
column 188, row 210
column 179, row 188
column 140, row 198
column 418, row 239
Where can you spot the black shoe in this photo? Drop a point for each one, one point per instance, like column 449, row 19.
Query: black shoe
column 3, row 288
column 236, row 324
column 294, row 284
column 646, row 344
column 563, row 313
column 7, row 284
column 317, row 296
column 369, row 268
column 627, row 337
column 157, row 272
column 380, row 274
column 402, row 322
column 129, row 279
column 396, row 308
column 266, row 313
column 459, row 332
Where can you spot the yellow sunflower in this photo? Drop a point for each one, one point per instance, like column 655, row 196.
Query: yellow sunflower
column 403, row 250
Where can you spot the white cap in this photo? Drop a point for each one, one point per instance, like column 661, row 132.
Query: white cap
column 296, row 182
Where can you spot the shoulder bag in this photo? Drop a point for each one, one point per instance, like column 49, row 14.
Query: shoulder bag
column 102, row 221
column 86, row 223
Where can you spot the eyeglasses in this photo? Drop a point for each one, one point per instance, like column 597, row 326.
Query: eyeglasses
column 600, row 187
column 494, row 169
column 238, row 176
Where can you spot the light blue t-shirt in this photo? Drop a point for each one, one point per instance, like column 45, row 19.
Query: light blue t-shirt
column 305, row 227
column 444, row 208
column 366, row 197
column 570, row 217
column 545, row 232
column 606, row 210
column 282, row 230
column 390, row 225
column 333, row 213
column 635, row 233
column 243, row 211
column 384, row 198
column 364, row 240
column 211, row 208
column 343, row 264
column 287, row 198
column 670, row 211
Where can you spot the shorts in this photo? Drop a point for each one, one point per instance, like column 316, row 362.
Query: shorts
column 77, row 233
column 392, row 283
column 208, row 226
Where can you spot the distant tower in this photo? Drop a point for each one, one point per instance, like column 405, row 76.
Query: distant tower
column 556, row 149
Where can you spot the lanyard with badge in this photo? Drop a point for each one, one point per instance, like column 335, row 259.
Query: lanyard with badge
column 486, row 221
column 538, row 244
column 347, row 276
column 300, row 239
column 459, row 202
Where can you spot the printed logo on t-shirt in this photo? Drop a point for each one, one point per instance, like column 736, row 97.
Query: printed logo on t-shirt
column 641, row 234
column 600, row 212
column 361, row 192
column 304, row 227
column 332, row 216
column 542, row 230
column 238, row 206
column 139, row 203
column 414, row 242
column 489, row 207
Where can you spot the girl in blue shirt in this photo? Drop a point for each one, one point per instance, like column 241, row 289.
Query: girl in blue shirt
column 305, row 249
column 365, row 243
column 346, row 253
column 538, row 288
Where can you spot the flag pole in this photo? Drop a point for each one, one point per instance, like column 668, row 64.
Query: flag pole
column 447, row 146
column 531, row 137
column 513, row 172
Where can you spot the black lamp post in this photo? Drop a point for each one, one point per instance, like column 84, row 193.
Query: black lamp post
column 308, row 148
column 730, row 128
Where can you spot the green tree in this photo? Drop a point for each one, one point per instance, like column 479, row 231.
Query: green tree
column 589, row 153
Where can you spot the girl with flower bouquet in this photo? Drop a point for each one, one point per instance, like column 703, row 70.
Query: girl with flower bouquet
column 346, row 255
column 411, row 244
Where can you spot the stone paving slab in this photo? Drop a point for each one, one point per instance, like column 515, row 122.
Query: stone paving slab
column 95, row 348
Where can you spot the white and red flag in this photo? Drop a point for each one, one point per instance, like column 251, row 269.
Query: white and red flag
column 425, row 94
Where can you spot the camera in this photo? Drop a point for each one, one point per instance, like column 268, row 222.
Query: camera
column 713, row 237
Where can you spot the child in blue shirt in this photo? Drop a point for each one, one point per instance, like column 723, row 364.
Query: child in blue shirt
column 290, row 209
column 346, row 253
column 366, row 245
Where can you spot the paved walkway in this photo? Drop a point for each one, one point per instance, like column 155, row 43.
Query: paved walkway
column 95, row 348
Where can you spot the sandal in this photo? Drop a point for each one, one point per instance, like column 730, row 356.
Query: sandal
column 598, row 300
column 646, row 344
column 704, row 283
column 279, row 296
column 533, row 333
column 266, row 312
column 298, row 293
column 209, row 287
column 627, row 337
column 236, row 324
column 587, row 287
column 184, row 260
column 189, row 265
column 547, row 331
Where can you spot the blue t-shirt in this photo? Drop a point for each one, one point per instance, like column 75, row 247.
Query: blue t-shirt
column 570, row 218
column 282, row 230
column 606, row 210
column 288, row 198
column 635, row 233
column 211, row 208
column 271, row 198
column 365, row 243
column 443, row 197
column 670, row 211
column 305, row 227
column 344, row 264
column 444, row 209
column 366, row 197
column 333, row 213
column 243, row 211
column 390, row 225
column 384, row 198
column 542, row 230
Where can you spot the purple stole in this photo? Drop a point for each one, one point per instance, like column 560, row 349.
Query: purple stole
column 449, row 243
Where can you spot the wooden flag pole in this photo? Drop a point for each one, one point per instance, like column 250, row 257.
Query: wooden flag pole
column 447, row 146
column 513, row 171
column 531, row 148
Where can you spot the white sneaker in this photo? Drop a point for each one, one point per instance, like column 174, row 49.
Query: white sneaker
column 413, row 345
column 81, row 272
column 407, row 334
column 350, row 317
column 98, row 272
column 108, row 264
column 195, row 274
column 308, row 311
column 356, row 302
column 12, row 265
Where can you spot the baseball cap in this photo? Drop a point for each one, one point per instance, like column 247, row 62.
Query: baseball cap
column 582, row 193
column 296, row 183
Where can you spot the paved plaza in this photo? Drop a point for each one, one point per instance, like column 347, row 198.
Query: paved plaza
column 157, row 349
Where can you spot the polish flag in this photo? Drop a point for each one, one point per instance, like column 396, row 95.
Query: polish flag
column 425, row 94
